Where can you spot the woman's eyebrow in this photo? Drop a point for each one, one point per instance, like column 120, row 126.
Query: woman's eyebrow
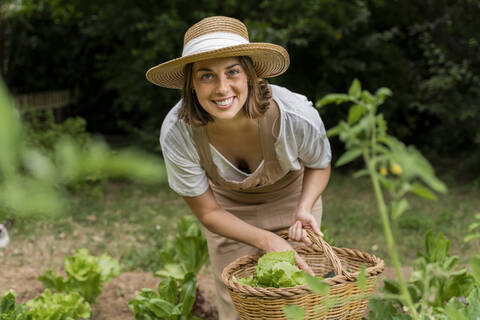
column 210, row 70
column 233, row 65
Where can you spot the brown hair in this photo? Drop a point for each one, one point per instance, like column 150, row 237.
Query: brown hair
column 255, row 106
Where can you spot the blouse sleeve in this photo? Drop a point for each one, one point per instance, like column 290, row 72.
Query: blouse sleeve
column 313, row 145
column 185, row 175
column 303, row 130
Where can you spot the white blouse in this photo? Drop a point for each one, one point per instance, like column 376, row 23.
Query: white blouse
column 301, row 139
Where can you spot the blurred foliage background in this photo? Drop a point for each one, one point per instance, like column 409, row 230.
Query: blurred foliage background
column 426, row 51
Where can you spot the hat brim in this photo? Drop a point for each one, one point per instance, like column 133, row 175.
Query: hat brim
column 269, row 60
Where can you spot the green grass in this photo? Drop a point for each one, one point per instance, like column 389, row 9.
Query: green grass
column 132, row 222
column 352, row 219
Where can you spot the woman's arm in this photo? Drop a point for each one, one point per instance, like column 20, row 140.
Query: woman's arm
column 314, row 183
column 222, row 222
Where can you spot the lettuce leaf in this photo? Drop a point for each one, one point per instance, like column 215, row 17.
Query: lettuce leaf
column 58, row 306
column 275, row 269
column 86, row 275
column 9, row 309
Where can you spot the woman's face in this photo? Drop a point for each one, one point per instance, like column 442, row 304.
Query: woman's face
column 221, row 86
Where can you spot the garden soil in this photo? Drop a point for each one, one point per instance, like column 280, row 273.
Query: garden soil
column 23, row 261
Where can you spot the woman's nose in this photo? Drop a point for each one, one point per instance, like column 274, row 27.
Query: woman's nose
column 222, row 85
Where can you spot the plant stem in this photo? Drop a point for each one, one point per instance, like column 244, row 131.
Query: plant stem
column 390, row 240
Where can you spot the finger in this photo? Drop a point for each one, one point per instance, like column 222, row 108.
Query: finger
column 316, row 228
column 298, row 231
column 305, row 238
column 303, row 265
column 291, row 232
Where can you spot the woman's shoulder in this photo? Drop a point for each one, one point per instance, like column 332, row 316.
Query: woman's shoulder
column 174, row 128
column 293, row 104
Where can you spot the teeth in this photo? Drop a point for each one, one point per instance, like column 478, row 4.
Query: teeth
column 224, row 102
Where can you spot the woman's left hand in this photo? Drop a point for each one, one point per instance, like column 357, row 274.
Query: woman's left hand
column 303, row 220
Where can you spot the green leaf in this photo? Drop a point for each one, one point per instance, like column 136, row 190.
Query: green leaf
column 316, row 284
column 294, row 312
column 473, row 226
column 384, row 310
column 333, row 98
column 355, row 113
column 475, row 265
column 362, row 278
column 473, row 301
column 368, row 98
column 458, row 310
column 382, row 93
column 349, row 156
column 423, row 192
column 167, row 290
column 173, row 270
column 334, row 131
column 471, row 237
column 162, row 308
column 391, row 286
column 58, row 306
column 355, row 89
column 250, row 281
column 51, row 281
column 452, row 309
column 436, row 247
column 188, row 293
column 361, row 173
column 399, row 207
column 7, row 304
column 109, row 268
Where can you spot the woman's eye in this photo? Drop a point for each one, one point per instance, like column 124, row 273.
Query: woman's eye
column 207, row 76
column 233, row 72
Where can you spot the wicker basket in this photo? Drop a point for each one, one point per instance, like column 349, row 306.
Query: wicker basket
column 345, row 300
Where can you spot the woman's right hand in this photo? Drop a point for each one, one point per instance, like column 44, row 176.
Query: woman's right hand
column 276, row 243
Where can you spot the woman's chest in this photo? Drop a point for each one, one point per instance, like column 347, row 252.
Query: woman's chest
column 242, row 151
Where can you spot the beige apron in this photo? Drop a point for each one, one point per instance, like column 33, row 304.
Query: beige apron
column 266, row 199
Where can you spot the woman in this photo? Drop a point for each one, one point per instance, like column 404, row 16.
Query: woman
column 248, row 158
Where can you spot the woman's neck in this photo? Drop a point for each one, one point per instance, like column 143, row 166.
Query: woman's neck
column 238, row 124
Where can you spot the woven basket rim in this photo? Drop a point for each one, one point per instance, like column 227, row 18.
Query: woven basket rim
column 377, row 266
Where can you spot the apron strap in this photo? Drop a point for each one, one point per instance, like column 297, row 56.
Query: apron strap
column 271, row 169
column 200, row 137
column 266, row 134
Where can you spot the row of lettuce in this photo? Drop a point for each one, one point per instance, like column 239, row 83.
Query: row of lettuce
column 440, row 288
column 72, row 297
column 69, row 297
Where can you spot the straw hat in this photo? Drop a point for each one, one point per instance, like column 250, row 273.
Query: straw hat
column 219, row 37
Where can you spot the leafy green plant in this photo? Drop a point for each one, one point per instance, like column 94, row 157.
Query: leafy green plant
column 465, row 310
column 275, row 269
column 182, row 258
column 43, row 132
column 31, row 182
column 86, row 275
column 188, row 251
column 168, row 302
column 318, row 286
column 435, row 280
column 53, row 306
column 474, row 230
column 9, row 309
column 392, row 166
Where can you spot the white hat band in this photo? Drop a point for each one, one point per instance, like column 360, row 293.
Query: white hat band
column 212, row 41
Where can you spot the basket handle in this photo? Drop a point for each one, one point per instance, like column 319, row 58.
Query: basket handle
column 329, row 253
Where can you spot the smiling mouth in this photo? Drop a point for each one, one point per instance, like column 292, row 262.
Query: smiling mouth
column 224, row 103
